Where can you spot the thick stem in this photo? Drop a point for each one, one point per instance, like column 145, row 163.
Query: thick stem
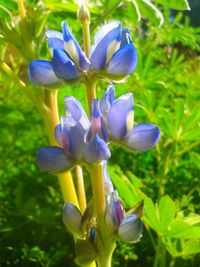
column 80, row 188
column 52, row 119
column 105, row 259
column 98, row 190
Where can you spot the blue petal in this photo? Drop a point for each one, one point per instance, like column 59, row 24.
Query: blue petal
column 52, row 159
column 106, row 41
column 74, row 107
column 97, row 150
column 41, row 73
column 73, row 136
column 124, row 61
column 97, row 123
column 63, row 66
column 114, row 212
column 118, row 115
column 73, row 48
column 143, row 137
column 126, row 38
column 55, row 39
column 131, row 228
column 107, row 99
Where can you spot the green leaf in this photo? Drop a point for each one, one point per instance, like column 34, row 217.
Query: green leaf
column 167, row 211
column 175, row 4
column 151, row 217
column 125, row 188
column 191, row 247
column 180, row 229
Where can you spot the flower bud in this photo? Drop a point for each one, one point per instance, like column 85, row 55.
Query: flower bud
column 72, row 217
column 83, row 13
column 114, row 213
column 130, row 229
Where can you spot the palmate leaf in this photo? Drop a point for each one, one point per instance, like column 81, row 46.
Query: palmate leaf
column 167, row 211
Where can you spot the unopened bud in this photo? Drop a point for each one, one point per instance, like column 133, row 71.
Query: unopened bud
column 114, row 212
column 83, row 13
column 72, row 217
column 131, row 228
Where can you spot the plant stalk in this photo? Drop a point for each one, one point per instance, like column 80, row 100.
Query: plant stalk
column 52, row 119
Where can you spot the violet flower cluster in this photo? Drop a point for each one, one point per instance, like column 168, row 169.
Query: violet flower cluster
column 112, row 52
column 86, row 141
column 83, row 140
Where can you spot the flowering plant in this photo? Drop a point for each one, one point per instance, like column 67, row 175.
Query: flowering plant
column 85, row 140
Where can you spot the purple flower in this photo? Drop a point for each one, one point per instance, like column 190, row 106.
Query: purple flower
column 114, row 213
column 112, row 52
column 118, row 117
column 74, row 146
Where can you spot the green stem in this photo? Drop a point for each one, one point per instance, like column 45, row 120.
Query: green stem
column 86, row 36
column 105, row 259
column 157, row 256
column 160, row 257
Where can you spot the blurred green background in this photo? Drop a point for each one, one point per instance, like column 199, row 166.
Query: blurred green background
column 166, row 87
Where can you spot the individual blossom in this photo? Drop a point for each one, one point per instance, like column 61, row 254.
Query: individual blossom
column 112, row 52
column 128, row 228
column 118, row 116
column 73, row 146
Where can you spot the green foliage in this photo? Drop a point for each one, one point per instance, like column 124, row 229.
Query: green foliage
column 166, row 89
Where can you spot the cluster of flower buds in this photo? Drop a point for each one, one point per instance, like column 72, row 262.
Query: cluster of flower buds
column 86, row 141
column 112, row 54
column 120, row 225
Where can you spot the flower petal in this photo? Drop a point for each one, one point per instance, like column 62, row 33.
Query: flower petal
column 55, row 39
column 114, row 213
column 107, row 99
column 52, row 159
column 73, row 137
column 131, row 228
column 63, row 66
column 119, row 114
column 106, row 42
column 41, row 73
column 126, row 38
column 124, row 61
column 74, row 107
column 73, row 48
column 72, row 217
column 142, row 137
column 97, row 150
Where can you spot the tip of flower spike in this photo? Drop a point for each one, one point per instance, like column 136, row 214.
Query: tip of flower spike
column 83, row 13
